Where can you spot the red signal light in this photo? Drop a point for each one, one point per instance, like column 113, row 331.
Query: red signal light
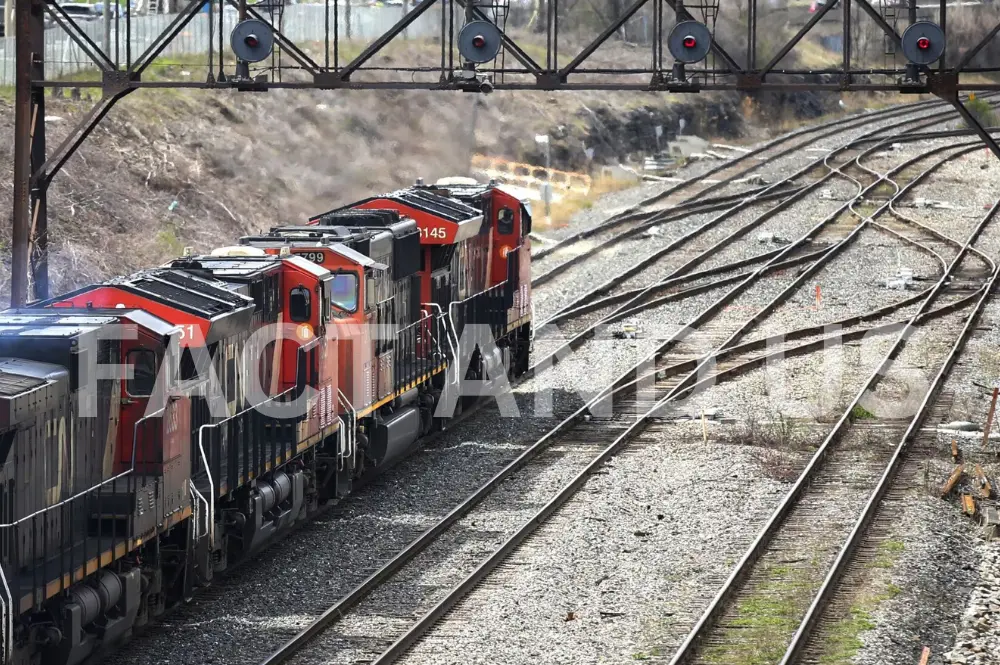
column 690, row 42
column 923, row 43
column 479, row 41
column 251, row 41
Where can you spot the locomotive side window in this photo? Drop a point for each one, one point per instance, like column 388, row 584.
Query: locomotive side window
column 143, row 362
column 299, row 304
column 370, row 295
column 505, row 221
column 344, row 291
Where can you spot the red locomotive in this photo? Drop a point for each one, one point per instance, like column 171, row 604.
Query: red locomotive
column 159, row 427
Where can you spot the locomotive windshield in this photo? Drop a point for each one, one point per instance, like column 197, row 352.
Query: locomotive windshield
column 344, row 291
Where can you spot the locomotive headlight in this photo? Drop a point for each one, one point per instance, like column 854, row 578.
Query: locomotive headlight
column 504, row 251
column 304, row 332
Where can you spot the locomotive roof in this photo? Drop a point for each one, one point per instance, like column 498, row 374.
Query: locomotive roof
column 13, row 383
column 71, row 316
column 207, row 298
column 56, row 324
column 18, row 377
column 426, row 200
column 241, row 268
column 317, row 240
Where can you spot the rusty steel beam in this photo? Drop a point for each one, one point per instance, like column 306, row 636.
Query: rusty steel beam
column 877, row 17
column 816, row 18
column 987, row 138
column 385, row 38
column 38, row 195
column 989, row 417
column 601, row 38
column 79, row 37
column 971, row 53
column 22, row 151
column 160, row 41
column 44, row 174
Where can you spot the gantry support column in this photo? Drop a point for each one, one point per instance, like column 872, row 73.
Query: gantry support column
column 30, row 221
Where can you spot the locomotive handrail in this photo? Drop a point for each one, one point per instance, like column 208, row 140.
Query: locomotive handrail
column 198, row 496
column 342, row 398
column 8, row 619
column 447, row 330
column 204, row 456
column 90, row 489
column 211, row 485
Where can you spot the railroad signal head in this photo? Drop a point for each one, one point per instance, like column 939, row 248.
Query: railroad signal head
column 689, row 41
column 923, row 42
column 479, row 41
column 252, row 40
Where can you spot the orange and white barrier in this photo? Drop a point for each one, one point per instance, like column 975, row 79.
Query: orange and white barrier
column 529, row 175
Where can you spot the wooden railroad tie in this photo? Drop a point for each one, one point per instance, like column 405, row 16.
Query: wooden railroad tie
column 968, row 504
column 953, row 479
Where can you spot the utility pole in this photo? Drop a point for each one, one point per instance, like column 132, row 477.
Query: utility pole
column 106, row 4
column 8, row 19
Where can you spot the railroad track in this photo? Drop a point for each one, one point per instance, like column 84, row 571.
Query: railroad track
column 574, row 452
column 687, row 194
column 788, row 599
column 571, row 435
column 631, row 225
column 699, row 244
column 580, row 325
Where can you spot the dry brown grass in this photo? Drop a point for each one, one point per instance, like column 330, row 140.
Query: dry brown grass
column 573, row 202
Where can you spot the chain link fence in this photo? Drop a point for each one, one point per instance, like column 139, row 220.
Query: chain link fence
column 300, row 23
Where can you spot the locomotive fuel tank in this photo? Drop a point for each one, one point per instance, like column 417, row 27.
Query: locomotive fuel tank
column 393, row 436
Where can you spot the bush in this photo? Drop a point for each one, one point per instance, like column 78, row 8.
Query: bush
column 981, row 110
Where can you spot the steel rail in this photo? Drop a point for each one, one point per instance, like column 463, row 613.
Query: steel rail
column 577, row 340
column 923, row 121
column 637, row 209
column 417, row 630
column 657, row 219
column 741, row 571
column 335, row 612
column 839, row 566
column 401, row 645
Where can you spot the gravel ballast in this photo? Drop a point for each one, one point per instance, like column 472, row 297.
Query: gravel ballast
column 622, row 571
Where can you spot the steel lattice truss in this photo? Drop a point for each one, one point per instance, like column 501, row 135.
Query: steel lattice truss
column 730, row 66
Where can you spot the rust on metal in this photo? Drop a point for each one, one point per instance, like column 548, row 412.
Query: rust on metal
column 925, row 656
column 952, row 480
column 968, row 504
column 983, row 483
column 989, row 417
column 954, row 451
